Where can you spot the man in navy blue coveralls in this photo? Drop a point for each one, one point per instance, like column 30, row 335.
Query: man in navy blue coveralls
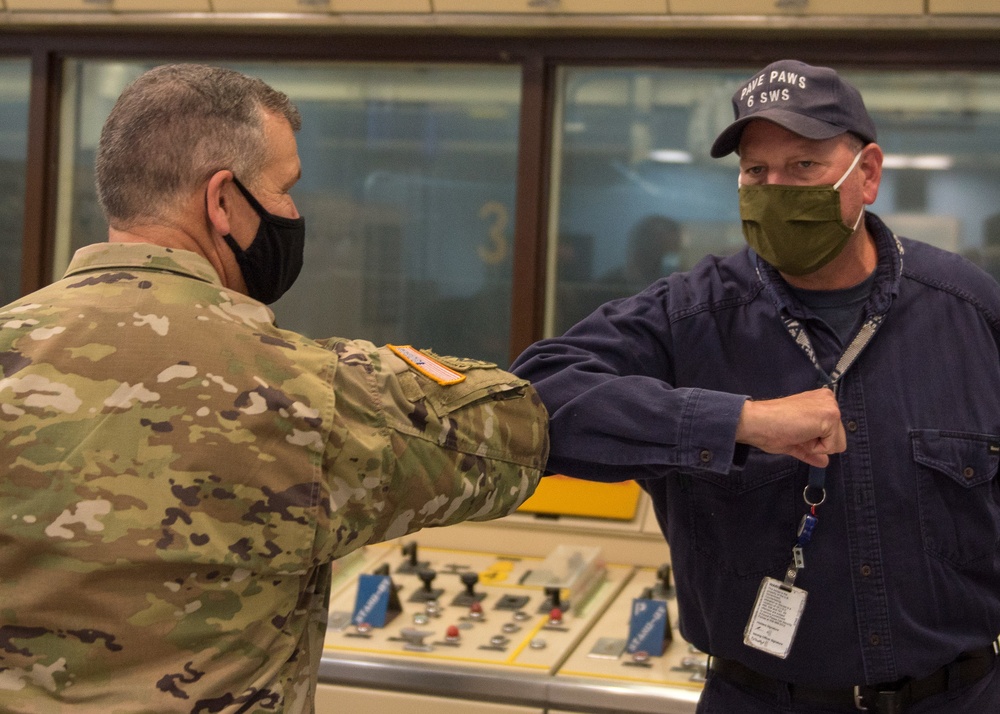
column 817, row 422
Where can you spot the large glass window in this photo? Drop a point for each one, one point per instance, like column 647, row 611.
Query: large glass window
column 15, row 85
column 638, row 195
column 407, row 191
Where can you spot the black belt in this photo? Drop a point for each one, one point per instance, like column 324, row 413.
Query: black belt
column 880, row 699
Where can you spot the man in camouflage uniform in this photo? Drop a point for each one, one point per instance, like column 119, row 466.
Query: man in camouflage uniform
column 179, row 473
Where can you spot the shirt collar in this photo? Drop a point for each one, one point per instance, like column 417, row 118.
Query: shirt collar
column 142, row 256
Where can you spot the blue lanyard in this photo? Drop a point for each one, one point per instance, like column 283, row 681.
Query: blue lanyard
column 815, row 491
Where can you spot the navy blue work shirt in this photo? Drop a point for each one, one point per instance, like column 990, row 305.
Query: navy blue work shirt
column 903, row 571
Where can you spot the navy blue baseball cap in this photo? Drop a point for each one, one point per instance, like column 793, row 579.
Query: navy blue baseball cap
column 813, row 102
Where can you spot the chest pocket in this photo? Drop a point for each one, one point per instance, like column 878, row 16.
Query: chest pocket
column 744, row 522
column 958, row 494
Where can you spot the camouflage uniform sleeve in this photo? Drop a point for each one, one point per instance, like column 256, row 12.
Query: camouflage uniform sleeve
column 408, row 451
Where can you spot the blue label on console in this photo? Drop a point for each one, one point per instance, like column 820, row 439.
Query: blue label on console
column 372, row 603
column 648, row 627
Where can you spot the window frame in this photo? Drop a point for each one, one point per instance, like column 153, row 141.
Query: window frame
column 966, row 45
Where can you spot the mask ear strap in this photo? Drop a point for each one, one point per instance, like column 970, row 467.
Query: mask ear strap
column 254, row 203
column 858, row 222
column 857, row 158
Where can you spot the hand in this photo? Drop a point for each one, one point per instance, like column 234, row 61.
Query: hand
column 805, row 425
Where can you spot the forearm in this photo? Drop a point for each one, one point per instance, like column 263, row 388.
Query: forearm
column 630, row 424
column 407, row 452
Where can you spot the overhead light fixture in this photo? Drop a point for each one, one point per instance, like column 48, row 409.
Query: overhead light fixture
column 670, row 156
column 927, row 162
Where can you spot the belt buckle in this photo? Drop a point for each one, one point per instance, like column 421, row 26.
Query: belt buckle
column 879, row 701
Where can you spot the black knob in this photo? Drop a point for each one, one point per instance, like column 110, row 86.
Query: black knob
column 469, row 580
column 426, row 576
column 410, row 551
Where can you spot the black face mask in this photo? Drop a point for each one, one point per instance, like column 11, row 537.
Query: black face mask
column 273, row 260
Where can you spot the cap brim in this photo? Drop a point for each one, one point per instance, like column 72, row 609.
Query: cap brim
column 729, row 140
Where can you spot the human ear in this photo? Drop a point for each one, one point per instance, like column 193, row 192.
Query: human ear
column 871, row 168
column 218, row 204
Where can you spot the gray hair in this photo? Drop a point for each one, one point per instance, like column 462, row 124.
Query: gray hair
column 174, row 127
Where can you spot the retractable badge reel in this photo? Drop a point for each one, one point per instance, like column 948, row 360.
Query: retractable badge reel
column 775, row 617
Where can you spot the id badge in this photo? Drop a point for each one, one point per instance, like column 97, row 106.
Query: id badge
column 775, row 618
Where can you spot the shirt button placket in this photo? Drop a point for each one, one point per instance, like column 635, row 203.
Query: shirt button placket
column 868, row 588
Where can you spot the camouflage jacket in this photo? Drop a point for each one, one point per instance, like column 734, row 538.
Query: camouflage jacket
column 178, row 474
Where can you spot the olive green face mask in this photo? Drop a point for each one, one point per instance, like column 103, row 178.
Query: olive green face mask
column 797, row 229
